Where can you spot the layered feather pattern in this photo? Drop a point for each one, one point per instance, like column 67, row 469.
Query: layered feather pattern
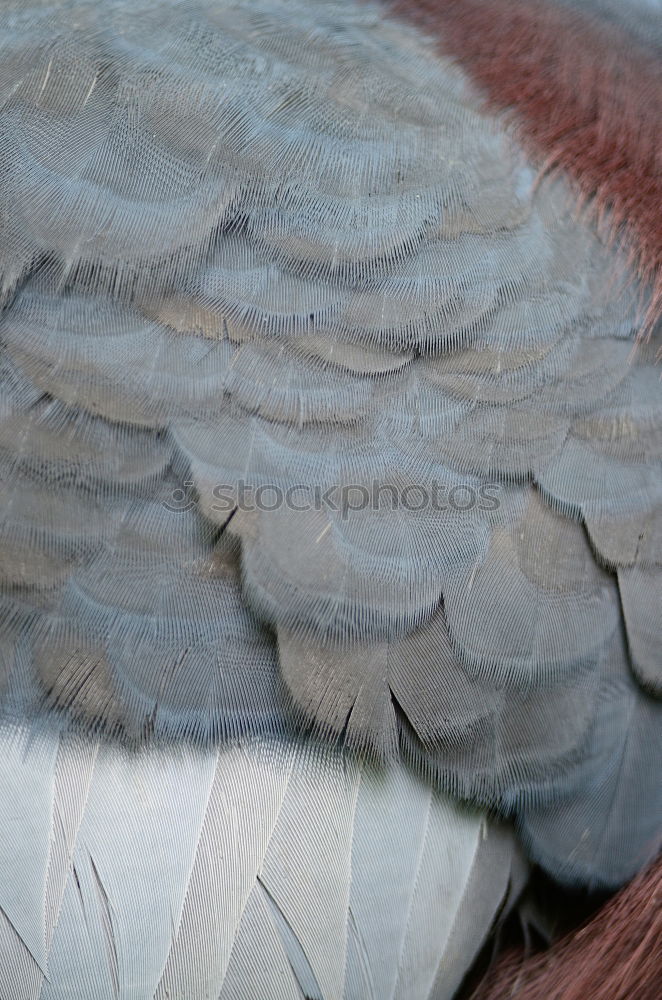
column 320, row 415
column 260, row 871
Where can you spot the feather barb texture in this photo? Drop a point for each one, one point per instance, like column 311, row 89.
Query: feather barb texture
column 588, row 97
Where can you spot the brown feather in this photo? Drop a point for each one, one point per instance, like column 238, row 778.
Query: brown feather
column 616, row 956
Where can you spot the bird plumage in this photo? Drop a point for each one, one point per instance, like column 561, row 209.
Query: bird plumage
column 323, row 431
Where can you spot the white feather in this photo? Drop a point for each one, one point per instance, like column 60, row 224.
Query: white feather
column 274, row 870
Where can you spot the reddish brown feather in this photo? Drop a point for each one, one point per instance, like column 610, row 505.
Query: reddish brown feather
column 617, row 956
column 589, row 101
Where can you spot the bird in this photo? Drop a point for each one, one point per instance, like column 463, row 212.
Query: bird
column 330, row 460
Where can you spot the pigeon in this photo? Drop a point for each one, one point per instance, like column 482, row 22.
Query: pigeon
column 331, row 473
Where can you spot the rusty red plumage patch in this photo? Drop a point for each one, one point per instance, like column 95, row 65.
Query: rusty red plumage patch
column 588, row 99
column 615, row 956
